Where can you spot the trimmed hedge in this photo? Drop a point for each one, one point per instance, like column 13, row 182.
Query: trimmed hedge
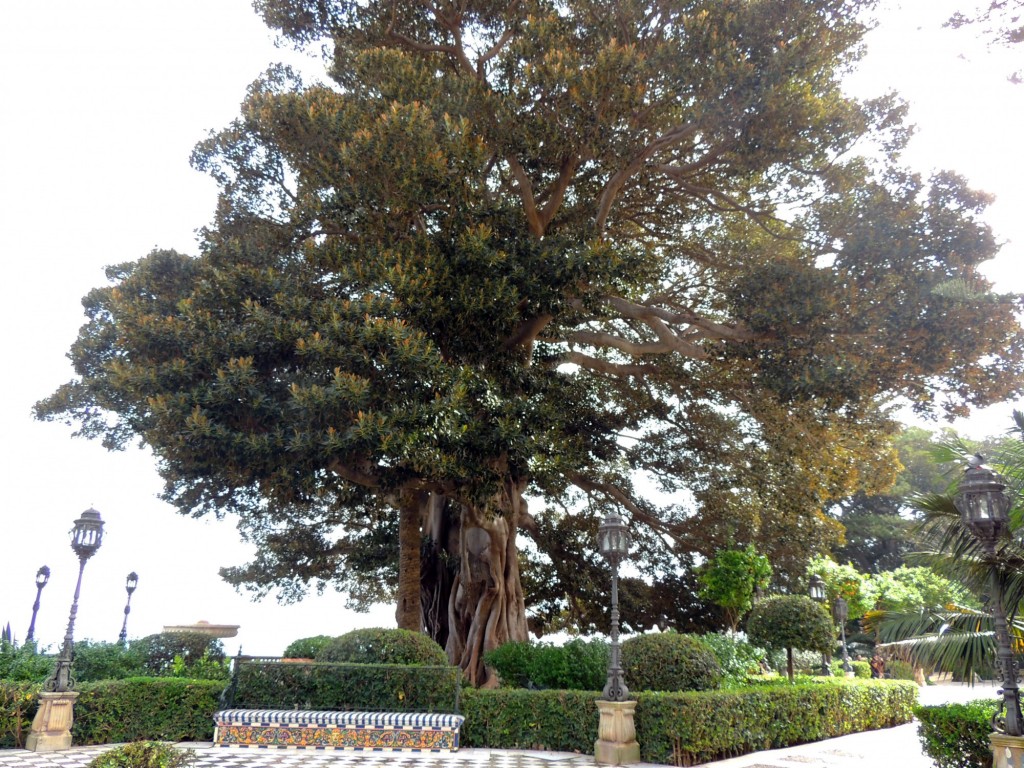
column 692, row 727
column 579, row 665
column 372, row 687
column 669, row 661
column 956, row 735
column 383, row 646
column 145, row 708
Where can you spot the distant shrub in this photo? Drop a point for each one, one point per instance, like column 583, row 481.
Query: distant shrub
column 24, row 663
column 144, row 754
column 182, row 654
column 669, row 661
column 579, row 665
column 895, row 669
column 306, row 647
column 956, row 735
column 383, row 646
column 861, row 669
column 791, row 622
column 736, row 656
column 18, row 703
column 107, row 661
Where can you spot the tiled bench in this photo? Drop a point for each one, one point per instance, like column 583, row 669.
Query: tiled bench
column 305, row 729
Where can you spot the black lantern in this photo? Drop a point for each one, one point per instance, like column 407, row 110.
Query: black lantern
column 984, row 509
column 816, row 590
column 86, row 537
column 129, row 586
column 42, row 577
column 613, row 544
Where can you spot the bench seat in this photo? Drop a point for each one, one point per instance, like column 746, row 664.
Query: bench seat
column 310, row 729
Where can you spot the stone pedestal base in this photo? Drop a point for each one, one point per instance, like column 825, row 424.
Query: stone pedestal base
column 616, row 737
column 51, row 727
column 1007, row 751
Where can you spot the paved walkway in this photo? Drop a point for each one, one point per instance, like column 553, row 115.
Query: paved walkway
column 889, row 748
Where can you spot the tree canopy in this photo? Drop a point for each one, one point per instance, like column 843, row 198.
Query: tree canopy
column 595, row 253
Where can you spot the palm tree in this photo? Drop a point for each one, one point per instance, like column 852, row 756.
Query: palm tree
column 956, row 638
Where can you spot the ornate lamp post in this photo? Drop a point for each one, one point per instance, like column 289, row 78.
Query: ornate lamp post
column 51, row 728
column 817, row 592
column 842, row 613
column 129, row 586
column 984, row 509
column 616, row 736
column 42, row 577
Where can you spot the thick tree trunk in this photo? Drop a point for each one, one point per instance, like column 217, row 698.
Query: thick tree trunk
column 486, row 606
column 439, row 568
column 411, row 510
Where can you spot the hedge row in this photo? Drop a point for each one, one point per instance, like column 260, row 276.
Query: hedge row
column 673, row 728
column 381, row 687
column 690, row 727
column 956, row 735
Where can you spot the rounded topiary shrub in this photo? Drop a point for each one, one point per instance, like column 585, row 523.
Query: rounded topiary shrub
column 669, row 661
column 791, row 622
column 306, row 647
column 383, row 646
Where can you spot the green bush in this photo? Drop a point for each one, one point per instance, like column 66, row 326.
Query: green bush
column 689, row 728
column 895, row 669
column 737, row 657
column 18, row 702
column 669, row 661
column 144, row 754
column 177, row 653
column 861, row 669
column 306, row 647
column 24, row 663
column 579, row 665
column 322, row 686
column 956, row 735
column 383, row 646
column 164, row 709
column 107, row 661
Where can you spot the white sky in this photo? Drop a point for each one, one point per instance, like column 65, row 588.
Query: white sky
column 100, row 105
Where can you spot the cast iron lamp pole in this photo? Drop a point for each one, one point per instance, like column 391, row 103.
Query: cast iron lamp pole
column 842, row 613
column 818, row 594
column 129, row 586
column 613, row 543
column 984, row 509
column 42, row 577
column 86, row 537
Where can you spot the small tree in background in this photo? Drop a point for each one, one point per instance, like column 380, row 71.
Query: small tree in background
column 730, row 580
column 791, row 621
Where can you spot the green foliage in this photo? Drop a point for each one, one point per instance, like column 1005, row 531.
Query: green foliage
column 669, row 661
column 737, row 657
column 178, row 653
column 18, row 703
column 731, row 578
column 861, row 669
column 897, row 669
column 108, row 661
column 579, row 665
column 24, row 663
column 144, row 754
column 907, row 589
column 306, row 647
column 330, row 686
column 956, row 735
column 846, row 582
column 791, row 622
column 134, row 709
column 694, row 728
column 383, row 646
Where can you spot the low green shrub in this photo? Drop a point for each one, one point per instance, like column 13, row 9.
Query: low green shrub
column 896, row 669
column 579, row 665
column 165, row 709
column 24, row 663
column 861, row 669
column 306, row 647
column 18, row 702
column 107, row 661
column 182, row 654
column 687, row 728
column 956, row 735
column 669, row 661
column 374, row 687
column 144, row 754
column 736, row 656
column 383, row 646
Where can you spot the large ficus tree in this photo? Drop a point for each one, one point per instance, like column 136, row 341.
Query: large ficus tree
column 577, row 250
